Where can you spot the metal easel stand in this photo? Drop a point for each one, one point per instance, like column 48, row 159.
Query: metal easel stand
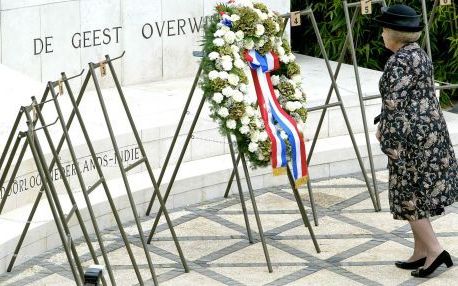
column 37, row 111
column 53, row 199
column 144, row 159
column 346, row 6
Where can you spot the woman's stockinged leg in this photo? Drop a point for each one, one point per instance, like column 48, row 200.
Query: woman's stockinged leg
column 427, row 239
column 419, row 250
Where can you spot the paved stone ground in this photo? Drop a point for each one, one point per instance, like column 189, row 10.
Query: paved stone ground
column 358, row 245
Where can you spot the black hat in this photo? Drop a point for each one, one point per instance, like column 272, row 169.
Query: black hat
column 400, row 17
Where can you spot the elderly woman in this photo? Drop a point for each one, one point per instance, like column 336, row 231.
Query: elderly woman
column 413, row 134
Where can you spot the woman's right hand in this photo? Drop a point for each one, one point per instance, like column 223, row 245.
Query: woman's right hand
column 378, row 135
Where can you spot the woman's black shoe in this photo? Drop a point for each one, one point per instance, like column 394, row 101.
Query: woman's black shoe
column 410, row 265
column 444, row 257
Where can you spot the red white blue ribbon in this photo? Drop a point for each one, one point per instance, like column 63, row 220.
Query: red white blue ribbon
column 272, row 112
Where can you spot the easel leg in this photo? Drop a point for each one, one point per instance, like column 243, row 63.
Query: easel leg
column 175, row 136
column 256, row 213
column 231, row 178
column 5, row 171
column 302, row 209
column 239, row 186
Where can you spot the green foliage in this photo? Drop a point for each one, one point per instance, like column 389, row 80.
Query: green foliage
column 370, row 50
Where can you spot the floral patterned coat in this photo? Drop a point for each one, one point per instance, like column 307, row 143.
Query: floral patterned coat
column 422, row 165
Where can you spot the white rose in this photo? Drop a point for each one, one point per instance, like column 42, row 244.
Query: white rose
column 213, row 56
column 213, row 75
column 233, row 79
column 280, row 51
column 263, row 136
column 245, row 120
column 235, row 17
column 239, row 35
column 229, row 37
column 253, row 147
column 218, row 42
column 227, row 65
column 238, row 96
column 218, row 97
column 260, row 30
column 223, row 112
column 254, row 136
column 249, row 44
column 275, row 80
column 223, row 75
column 244, row 129
column 231, row 124
column 249, row 111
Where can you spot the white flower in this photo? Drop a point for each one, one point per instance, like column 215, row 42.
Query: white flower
column 253, row 147
column 239, row 63
column 292, row 57
column 213, row 56
column 260, row 30
column 245, row 120
column 243, row 87
column 275, row 80
column 299, row 105
column 258, row 123
column 298, row 94
column 227, row 91
column 235, row 49
column 260, row 43
column 219, row 33
column 218, row 97
column 233, row 79
column 244, row 129
column 227, row 65
column 284, row 59
column 254, row 136
column 249, row 111
column 291, row 105
column 213, row 75
column 263, row 136
column 249, row 44
column 231, row 124
column 280, row 51
column 218, row 42
column 297, row 78
column 223, row 112
column 263, row 16
column 223, row 75
column 277, row 27
column 229, row 37
column 277, row 92
column 235, row 17
column 239, row 35
column 237, row 96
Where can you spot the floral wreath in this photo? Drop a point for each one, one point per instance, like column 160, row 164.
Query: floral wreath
column 237, row 27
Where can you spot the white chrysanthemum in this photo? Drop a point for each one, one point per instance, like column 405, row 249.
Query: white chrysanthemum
column 275, row 80
column 239, row 63
column 263, row 136
column 233, row 79
column 219, row 33
column 253, row 147
column 218, row 42
column 235, row 49
column 227, row 65
column 227, row 91
column 284, row 59
column 249, row 44
column 245, row 120
column 223, row 75
column 260, row 30
column 235, row 17
column 299, row 105
column 213, row 56
column 231, row 124
column 217, row 97
column 237, row 96
column 239, row 35
column 258, row 123
column 280, row 51
column 291, row 105
column 223, row 112
column 249, row 111
column 213, row 75
column 229, row 37
column 244, row 129
column 254, row 136
column 296, row 78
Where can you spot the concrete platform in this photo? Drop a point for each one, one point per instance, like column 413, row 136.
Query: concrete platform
column 358, row 246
